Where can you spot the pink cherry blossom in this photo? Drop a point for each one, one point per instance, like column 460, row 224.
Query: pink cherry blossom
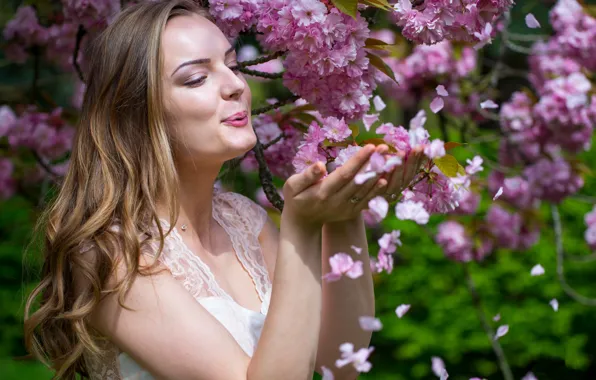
column 411, row 210
column 358, row 359
column 379, row 207
column 342, row 264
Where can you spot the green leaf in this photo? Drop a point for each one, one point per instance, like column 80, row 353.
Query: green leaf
column 448, row 165
column 396, row 50
column 378, row 62
column 349, row 7
column 355, row 130
column 381, row 4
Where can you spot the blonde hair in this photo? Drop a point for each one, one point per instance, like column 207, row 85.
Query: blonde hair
column 121, row 165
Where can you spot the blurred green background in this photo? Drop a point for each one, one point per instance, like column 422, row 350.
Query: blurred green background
column 442, row 321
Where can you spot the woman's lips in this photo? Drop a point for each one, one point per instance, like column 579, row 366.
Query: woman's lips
column 238, row 120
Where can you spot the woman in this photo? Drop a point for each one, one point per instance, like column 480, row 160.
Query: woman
column 151, row 272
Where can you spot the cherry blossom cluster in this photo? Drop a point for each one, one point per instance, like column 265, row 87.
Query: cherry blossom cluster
column 418, row 74
column 326, row 62
column 56, row 43
column 432, row 21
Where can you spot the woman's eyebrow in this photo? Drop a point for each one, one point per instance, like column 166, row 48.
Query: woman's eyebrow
column 201, row 60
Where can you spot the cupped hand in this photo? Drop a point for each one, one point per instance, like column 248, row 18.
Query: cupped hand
column 402, row 175
column 315, row 199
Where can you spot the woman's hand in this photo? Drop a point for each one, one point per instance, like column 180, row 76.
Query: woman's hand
column 313, row 200
column 402, row 175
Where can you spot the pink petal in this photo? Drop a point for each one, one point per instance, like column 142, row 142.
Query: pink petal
column 441, row 91
column 401, row 310
column 531, row 21
column 327, row 374
column 554, row 304
column 363, row 177
column 497, row 317
column 529, row 376
column 437, row 104
column 488, row 104
column 437, row 365
column 379, row 206
column 498, row 194
column 370, row 323
column 358, row 250
column 502, row 330
column 537, row 270
column 356, row 270
column 379, row 103
column 369, row 119
column 444, row 375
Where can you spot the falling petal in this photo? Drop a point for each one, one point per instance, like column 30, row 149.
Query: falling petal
column 327, row 374
column 370, row 323
column 401, row 310
column 358, row 250
column 537, row 270
column 441, row 91
column 437, row 104
column 444, row 375
column 497, row 317
column 438, row 365
column 498, row 194
column 502, row 330
column 369, row 119
column 555, row 304
column 488, row 104
column 531, row 21
column 529, row 376
column 379, row 103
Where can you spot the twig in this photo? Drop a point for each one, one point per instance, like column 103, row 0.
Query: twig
column 80, row 34
column 498, row 350
column 258, row 61
column 258, row 111
column 261, row 74
column 494, row 74
column 234, row 163
column 560, row 268
column 521, row 49
column 581, row 259
column 584, row 198
column 266, row 177
column 43, row 164
column 528, row 37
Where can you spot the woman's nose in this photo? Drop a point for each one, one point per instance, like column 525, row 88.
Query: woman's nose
column 234, row 86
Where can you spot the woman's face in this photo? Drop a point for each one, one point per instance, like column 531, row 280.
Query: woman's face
column 202, row 91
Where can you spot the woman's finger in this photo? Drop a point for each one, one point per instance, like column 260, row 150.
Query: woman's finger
column 340, row 177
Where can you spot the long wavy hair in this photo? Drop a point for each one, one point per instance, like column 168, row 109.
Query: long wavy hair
column 122, row 165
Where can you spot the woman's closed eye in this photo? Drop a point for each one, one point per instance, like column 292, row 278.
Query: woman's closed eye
column 199, row 81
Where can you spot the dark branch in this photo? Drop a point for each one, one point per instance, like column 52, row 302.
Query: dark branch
column 261, row 74
column 498, row 350
column 80, row 34
column 258, row 111
column 560, row 264
column 260, row 60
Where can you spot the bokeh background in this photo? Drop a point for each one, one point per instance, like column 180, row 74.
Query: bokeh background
column 443, row 320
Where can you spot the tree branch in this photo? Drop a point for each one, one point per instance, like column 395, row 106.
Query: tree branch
column 498, row 350
column 258, row 111
column 258, row 61
column 261, row 74
column 560, row 267
column 80, row 34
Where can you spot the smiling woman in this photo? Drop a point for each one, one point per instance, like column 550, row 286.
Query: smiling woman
column 123, row 293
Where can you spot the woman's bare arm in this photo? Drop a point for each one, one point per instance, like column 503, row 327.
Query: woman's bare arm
column 172, row 336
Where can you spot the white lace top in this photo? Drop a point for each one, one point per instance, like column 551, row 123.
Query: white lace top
column 242, row 219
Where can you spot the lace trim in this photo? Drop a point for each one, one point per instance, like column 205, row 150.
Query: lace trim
column 243, row 220
column 104, row 368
